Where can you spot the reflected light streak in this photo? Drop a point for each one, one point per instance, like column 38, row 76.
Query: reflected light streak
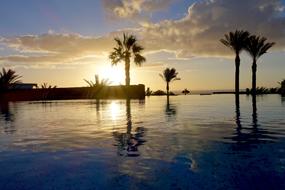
column 114, row 110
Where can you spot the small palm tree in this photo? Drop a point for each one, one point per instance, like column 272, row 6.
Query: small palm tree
column 125, row 49
column 236, row 41
column 47, row 86
column 256, row 46
column 8, row 78
column 185, row 91
column 104, row 82
column 168, row 76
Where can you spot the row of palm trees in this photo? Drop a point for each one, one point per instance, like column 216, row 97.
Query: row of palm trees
column 256, row 46
column 128, row 48
column 237, row 41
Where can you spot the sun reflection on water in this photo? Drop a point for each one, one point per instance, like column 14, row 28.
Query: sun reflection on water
column 114, row 110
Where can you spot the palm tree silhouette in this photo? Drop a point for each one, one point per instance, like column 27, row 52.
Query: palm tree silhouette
column 125, row 49
column 8, row 78
column 236, row 41
column 103, row 82
column 168, row 76
column 185, row 91
column 256, row 46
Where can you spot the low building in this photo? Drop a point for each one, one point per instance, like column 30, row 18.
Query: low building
column 24, row 86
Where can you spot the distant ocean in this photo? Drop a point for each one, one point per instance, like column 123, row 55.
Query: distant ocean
column 205, row 91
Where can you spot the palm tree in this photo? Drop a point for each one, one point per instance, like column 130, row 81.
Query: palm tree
column 256, row 46
column 185, row 91
column 104, row 82
column 8, row 78
column 125, row 49
column 168, row 76
column 236, row 41
column 47, row 86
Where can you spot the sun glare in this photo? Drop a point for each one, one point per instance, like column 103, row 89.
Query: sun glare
column 114, row 110
column 115, row 74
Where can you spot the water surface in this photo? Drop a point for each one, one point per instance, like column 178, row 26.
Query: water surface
column 194, row 142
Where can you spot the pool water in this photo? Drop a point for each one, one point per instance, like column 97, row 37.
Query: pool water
column 190, row 142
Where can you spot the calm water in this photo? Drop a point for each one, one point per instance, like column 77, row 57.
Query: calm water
column 195, row 142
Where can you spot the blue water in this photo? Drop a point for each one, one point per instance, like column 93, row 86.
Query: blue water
column 194, row 142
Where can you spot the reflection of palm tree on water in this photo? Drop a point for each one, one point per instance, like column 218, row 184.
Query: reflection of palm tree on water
column 239, row 127
column 256, row 135
column 169, row 109
column 7, row 116
column 5, row 111
column 128, row 143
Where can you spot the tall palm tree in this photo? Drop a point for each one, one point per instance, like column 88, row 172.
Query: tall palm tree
column 126, row 48
column 8, row 78
column 256, row 46
column 168, row 76
column 236, row 41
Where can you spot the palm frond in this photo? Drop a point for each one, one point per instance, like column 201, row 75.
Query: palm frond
column 257, row 46
column 139, row 59
column 169, row 75
column 137, row 48
column 8, row 78
column 235, row 40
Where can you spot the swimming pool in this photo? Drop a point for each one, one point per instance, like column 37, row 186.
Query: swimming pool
column 194, row 142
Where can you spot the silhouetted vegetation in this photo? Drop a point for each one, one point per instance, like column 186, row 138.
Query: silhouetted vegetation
column 263, row 90
column 47, row 86
column 126, row 48
column 159, row 93
column 282, row 87
column 8, row 78
column 162, row 93
column 236, row 41
column 185, row 91
column 169, row 75
column 97, row 82
column 148, row 92
column 256, row 46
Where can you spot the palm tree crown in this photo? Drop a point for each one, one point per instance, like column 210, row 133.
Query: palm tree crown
column 8, row 78
column 236, row 40
column 168, row 76
column 125, row 49
column 256, row 46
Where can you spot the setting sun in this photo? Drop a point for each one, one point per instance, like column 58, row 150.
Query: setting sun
column 115, row 74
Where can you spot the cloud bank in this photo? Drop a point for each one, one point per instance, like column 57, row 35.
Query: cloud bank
column 196, row 34
column 133, row 8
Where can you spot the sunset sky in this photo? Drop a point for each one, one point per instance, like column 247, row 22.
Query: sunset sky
column 62, row 42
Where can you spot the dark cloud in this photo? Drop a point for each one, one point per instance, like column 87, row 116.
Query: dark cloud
column 196, row 34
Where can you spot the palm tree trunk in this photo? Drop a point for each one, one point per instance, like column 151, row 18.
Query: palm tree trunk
column 129, row 116
column 254, row 69
column 127, row 70
column 167, row 88
column 237, row 62
column 254, row 111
